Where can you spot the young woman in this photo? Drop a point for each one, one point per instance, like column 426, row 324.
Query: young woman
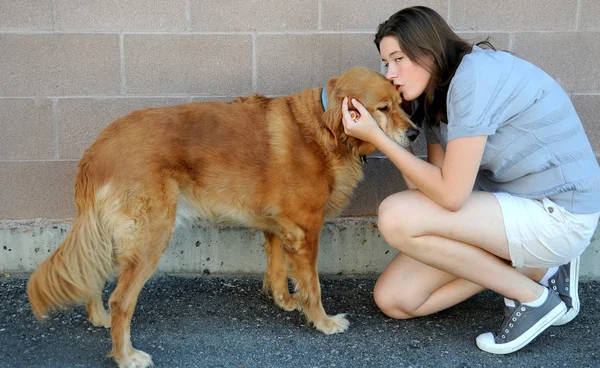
column 510, row 177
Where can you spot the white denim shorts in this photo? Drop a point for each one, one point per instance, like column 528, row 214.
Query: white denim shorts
column 542, row 234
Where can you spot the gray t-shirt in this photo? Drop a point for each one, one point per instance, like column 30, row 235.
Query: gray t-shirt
column 536, row 144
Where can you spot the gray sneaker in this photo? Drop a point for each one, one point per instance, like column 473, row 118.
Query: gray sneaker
column 522, row 324
column 565, row 282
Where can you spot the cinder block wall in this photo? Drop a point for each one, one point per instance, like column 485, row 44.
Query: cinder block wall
column 68, row 68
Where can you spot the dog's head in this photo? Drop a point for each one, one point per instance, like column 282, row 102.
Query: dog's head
column 379, row 97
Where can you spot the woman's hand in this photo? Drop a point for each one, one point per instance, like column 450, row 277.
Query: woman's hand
column 363, row 127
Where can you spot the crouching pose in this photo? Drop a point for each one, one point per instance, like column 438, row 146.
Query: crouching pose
column 510, row 177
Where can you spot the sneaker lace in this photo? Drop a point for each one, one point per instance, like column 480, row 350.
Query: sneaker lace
column 507, row 319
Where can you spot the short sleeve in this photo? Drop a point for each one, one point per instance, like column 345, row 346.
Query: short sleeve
column 474, row 94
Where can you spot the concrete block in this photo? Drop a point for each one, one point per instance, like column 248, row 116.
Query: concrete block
column 347, row 247
column 382, row 179
column 570, row 57
column 188, row 64
column 367, row 15
column 288, row 63
column 244, row 16
column 59, row 64
column 588, row 109
column 590, row 260
column 37, row 189
column 214, row 98
column 501, row 41
column 128, row 15
column 589, row 15
column 27, row 129
column 26, row 14
column 419, row 146
column 80, row 120
column 513, row 15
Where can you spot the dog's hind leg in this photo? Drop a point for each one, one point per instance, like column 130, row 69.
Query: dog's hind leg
column 302, row 247
column 135, row 269
column 275, row 279
column 138, row 255
column 97, row 314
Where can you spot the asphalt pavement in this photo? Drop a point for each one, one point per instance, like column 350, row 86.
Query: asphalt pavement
column 226, row 321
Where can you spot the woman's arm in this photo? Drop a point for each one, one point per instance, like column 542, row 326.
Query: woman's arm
column 409, row 183
column 449, row 185
column 435, row 156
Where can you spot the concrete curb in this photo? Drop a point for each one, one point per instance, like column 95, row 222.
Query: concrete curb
column 349, row 246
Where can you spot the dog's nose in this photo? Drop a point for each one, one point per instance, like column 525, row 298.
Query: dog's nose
column 412, row 134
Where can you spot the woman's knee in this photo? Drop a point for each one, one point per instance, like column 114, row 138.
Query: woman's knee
column 393, row 221
column 387, row 301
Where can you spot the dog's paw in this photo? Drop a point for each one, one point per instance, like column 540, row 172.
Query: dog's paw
column 286, row 302
column 137, row 359
column 333, row 325
column 100, row 319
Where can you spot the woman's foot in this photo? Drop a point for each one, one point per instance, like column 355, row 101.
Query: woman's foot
column 522, row 323
column 565, row 282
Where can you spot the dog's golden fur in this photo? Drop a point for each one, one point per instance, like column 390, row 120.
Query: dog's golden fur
column 281, row 165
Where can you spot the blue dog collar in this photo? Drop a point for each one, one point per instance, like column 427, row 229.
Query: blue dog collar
column 324, row 98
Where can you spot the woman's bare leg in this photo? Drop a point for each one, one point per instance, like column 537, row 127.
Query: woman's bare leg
column 409, row 288
column 446, row 255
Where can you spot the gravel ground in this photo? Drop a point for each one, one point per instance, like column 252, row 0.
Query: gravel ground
column 225, row 321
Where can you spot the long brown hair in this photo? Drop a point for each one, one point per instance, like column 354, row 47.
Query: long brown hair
column 423, row 35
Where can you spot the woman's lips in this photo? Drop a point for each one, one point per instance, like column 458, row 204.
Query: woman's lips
column 399, row 88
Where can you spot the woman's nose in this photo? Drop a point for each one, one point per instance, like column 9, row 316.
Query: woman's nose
column 390, row 73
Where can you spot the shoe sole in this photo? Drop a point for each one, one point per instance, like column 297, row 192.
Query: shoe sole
column 574, row 290
column 527, row 336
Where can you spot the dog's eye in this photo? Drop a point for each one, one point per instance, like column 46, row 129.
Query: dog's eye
column 383, row 108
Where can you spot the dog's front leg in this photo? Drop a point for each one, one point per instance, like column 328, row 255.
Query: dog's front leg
column 302, row 257
column 275, row 280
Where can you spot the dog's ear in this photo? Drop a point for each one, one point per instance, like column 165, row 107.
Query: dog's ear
column 333, row 119
column 333, row 115
column 332, row 83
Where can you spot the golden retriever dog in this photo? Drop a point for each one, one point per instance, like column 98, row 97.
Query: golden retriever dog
column 281, row 165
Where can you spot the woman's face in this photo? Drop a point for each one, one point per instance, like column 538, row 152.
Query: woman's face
column 410, row 79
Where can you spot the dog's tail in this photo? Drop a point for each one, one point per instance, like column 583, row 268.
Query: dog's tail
column 79, row 268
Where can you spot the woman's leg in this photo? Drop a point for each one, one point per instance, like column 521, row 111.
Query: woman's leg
column 465, row 251
column 468, row 244
column 409, row 288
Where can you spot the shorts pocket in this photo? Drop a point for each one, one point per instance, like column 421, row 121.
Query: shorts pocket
column 555, row 211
